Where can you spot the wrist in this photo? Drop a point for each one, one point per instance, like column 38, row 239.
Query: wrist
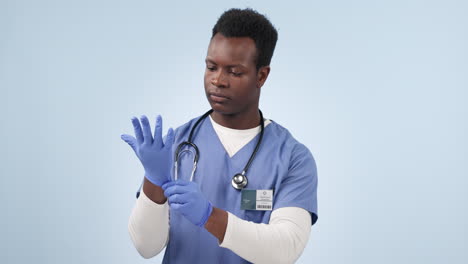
column 154, row 192
column 207, row 214
column 155, row 179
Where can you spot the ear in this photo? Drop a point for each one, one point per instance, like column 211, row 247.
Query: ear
column 262, row 75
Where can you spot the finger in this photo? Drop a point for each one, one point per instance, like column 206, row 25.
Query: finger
column 147, row 137
column 158, row 132
column 137, row 127
column 169, row 138
column 176, row 206
column 179, row 182
column 182, row 182
column 168, row 184
column 179, row 198
column 130, row 141
column 176, row 189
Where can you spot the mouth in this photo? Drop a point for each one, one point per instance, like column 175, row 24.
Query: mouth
column 218, row 98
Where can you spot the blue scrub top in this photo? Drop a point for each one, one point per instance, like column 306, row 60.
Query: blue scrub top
column 281, row 163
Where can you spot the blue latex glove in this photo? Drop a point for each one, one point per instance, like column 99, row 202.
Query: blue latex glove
column 154, row 154
column 186, row 198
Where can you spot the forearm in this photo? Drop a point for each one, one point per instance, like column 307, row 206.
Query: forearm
column 217, row 223
column 148, row 225
column 280, row 241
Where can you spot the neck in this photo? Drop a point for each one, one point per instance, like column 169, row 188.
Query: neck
column 244, row 120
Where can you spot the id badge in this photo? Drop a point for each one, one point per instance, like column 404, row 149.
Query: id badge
column 260, row 200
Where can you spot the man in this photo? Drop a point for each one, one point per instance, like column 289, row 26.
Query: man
column 253, row 197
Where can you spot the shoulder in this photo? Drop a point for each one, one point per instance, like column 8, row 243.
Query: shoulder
column 284, row 137
column 184, row 129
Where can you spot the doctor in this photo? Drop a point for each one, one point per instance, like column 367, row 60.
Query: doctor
column 216, row 217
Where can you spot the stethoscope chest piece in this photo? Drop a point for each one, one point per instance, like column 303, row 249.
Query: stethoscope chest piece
column 239, row 181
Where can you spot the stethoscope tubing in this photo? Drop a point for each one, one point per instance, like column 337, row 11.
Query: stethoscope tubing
column 189, row 143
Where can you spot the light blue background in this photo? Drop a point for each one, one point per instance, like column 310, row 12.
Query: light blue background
column 376, row 89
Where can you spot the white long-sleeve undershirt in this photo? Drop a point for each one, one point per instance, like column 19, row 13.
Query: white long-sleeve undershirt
column 282, row 240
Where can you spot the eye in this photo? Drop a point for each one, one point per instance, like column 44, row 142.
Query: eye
column 210, row 68
column 236, row 74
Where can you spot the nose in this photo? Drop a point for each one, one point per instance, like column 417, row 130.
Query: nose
column 219, row 79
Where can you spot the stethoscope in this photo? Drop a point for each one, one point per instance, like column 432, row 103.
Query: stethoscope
column 239, row 181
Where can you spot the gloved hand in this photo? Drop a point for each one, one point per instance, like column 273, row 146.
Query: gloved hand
column 186, row 198
column 154, row 154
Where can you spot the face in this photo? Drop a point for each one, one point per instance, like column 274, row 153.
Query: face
column 232, row 82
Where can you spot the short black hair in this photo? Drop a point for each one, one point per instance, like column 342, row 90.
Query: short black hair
column 249, row 23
